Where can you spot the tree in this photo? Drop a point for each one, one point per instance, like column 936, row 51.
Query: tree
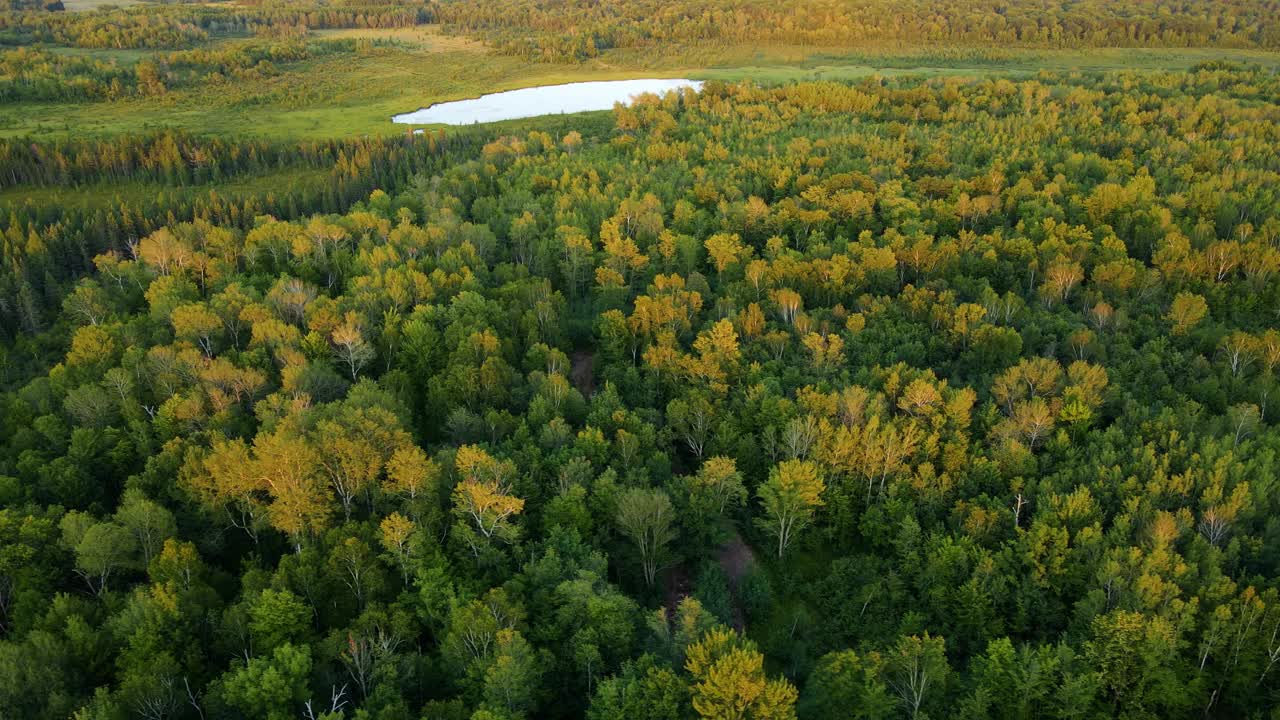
column 271, row 688
column 289, row 469
column 718, row 484
column 24, row 540
column 194, row 322
column 101, row 548
column 226, row 479
column 576, row 255
column 691, row 418
column 1240, row 350
column 396, row 532
column 718, row 354
column 88, row 303
column 350, row 457
column 827, row 349
column 917, row 670
column 790, row 498
column 726, row 250
column 1033, row 420
column 410, row 472
column 1016, row 684
column 845, row 683
column 481, row 500
column 151, row 524
column 512, row 679
column 349, row 345
column 276, row 618
column 730, row 683
column 1187, row 311
column 352, row 561
column 471, row 639
column 644, row 690
column 1243, row 419
column 647, row 518
column 1132, row 654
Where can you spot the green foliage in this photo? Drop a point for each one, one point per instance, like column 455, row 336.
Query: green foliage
column 926, row 395
column 272, row 687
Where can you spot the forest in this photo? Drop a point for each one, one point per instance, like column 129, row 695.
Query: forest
column 924, row 394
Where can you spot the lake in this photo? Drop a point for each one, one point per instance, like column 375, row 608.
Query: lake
column 543, row 100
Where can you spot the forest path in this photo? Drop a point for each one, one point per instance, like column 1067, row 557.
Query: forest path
column 581, row 372
column 736, row 560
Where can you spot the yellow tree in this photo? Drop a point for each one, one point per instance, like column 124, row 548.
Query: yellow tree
column 1032, row 419
column 791, row 497
column 789, row 304
column 967, row 318
column 757, row 275
column 725, row 251
column 1030, row 378
column 224, row 478
column 751, row 320
column 622, row 256
column 920, row 399
column 349, row 344
column 164, row 251
column 481, row 500
column 730, row 682
column 668, row 307
column 1086, row 382
column 1186, row 312
column 1061, row 277
column 290, row 470
column 1240, row 350
column 719, row 482
column 410, row 472
column 349, row 459
column 718, row 355
column 827, row 350
column 196, row 323
column 396, row 531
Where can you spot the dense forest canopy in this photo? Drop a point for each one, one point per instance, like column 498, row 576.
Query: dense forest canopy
column 541, row 25
column 550, row 28
column 918, row 396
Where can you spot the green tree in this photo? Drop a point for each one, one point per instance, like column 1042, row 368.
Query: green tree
column 271, row 688
column 276, row 618
column 917, row 671
column 790, row 498
column 646, row 517
column 101, row 548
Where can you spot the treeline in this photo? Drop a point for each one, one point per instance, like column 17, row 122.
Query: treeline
column 182, row 25
column 117, row 29
column 568, row 30
column 43, row 245
column 20, row 5
column 900, row 399
column 573, row 30
column 34, row 74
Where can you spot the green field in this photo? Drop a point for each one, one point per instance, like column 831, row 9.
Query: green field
column 87, row 5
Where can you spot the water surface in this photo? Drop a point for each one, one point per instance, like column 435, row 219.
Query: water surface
column 543, row 100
